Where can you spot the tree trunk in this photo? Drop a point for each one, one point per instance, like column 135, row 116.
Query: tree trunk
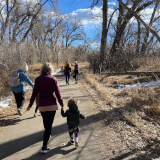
column 138, row 37
column 104, row 31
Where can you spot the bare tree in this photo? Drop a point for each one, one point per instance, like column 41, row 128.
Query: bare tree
column 5, row 13
column 18, row 19
column 123, row 19
column 71, row 32
column 138, row 37
column 144, row 45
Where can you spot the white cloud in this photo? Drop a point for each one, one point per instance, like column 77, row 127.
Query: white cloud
column 91, row 21
column 96, row 11
column 146, row 13
column 82, row 10
column 95, row 45
column 2, row 3
column 74, row 14
column 30, row 1
column 93, row 16
column 87, row 16
column 112, row 3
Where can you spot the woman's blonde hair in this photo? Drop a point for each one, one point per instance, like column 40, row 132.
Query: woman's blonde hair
column 46, row 68
column 68, row 64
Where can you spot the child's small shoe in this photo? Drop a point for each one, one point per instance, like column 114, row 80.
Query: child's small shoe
column 76, row 144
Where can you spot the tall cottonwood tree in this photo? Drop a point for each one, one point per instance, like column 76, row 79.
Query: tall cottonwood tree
column 71, row 31
column 104, row 30
column 123, row 19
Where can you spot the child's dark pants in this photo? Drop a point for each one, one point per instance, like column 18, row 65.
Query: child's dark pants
column 73, row 130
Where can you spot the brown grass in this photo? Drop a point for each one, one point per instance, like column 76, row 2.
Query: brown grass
column 144, row 99
column 148, row 64
column 106, row 93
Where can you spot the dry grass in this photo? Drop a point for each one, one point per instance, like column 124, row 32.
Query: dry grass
column 106, row 93
column 127, row 79
column 148, row 64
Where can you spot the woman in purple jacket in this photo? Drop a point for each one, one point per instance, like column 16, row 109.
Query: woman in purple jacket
column 47, row 88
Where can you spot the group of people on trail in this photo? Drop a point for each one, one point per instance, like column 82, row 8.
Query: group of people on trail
column 45, row 91
column 67, row 72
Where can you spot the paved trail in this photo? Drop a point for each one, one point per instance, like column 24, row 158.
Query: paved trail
column 23, row 139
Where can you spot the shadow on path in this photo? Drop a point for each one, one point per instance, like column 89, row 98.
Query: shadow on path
column 19, row 144
column 51, row 153
column 10, row 121
column 11, row 147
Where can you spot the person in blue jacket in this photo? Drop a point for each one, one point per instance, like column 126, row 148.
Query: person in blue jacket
column 19, row 91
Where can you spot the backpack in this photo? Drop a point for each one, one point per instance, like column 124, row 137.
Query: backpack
column 13, row 79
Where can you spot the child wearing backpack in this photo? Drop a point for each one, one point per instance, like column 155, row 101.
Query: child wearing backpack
column 73, row 119
column 17, row 82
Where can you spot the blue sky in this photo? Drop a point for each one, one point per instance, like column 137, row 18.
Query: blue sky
column 81, row 8
column 68, row 6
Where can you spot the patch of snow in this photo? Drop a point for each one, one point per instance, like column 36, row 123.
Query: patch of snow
column 4, row 103
column 135, row 78
column 137, row 85
column 112, row 77
column 56, row 71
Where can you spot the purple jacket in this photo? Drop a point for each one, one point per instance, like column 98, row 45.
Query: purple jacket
column 67, row 70
column 46, row 86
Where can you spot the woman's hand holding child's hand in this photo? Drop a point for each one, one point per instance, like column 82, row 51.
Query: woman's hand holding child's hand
column 28, row 108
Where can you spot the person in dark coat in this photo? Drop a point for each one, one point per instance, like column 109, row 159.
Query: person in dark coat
column 67, row 72
column 47, row 88
column 73, row 120
column 76, row 71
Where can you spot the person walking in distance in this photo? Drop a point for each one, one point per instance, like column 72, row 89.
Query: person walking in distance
column 47, row 88
column 19, row 90
column 73, row 115
column 67, row 72
column 76, row 72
